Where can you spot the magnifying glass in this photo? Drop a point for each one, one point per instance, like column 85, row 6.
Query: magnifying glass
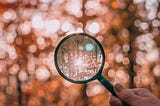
column 79, row 58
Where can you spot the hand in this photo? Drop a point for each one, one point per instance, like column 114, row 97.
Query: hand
column 134, row 97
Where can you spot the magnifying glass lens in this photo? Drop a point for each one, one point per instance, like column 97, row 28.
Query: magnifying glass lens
column 79, row 57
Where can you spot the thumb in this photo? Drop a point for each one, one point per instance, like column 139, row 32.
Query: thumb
column 125, row 94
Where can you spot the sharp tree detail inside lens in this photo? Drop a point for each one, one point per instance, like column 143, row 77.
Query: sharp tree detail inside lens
column 79, row 58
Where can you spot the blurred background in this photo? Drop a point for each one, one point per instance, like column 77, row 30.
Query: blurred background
column 129, row 31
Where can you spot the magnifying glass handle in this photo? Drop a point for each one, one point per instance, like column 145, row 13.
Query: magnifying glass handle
column 109, row 86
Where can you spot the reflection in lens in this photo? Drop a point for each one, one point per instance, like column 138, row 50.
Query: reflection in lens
column 89, row 47
column 79, row 57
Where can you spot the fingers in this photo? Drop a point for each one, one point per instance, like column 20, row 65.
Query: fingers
column 114, row 101
column 142, row 92
column 125, row 94
column 133, row 97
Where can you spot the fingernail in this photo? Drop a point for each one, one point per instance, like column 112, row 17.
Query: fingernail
column 118, row 87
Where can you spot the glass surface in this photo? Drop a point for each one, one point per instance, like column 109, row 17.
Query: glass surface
column 79, row 57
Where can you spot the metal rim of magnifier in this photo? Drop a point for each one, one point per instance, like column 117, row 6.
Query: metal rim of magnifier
column 77, row 81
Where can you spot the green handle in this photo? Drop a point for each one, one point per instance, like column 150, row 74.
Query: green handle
column 109, row 86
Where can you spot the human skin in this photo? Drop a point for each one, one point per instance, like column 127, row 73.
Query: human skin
column 133, row 97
